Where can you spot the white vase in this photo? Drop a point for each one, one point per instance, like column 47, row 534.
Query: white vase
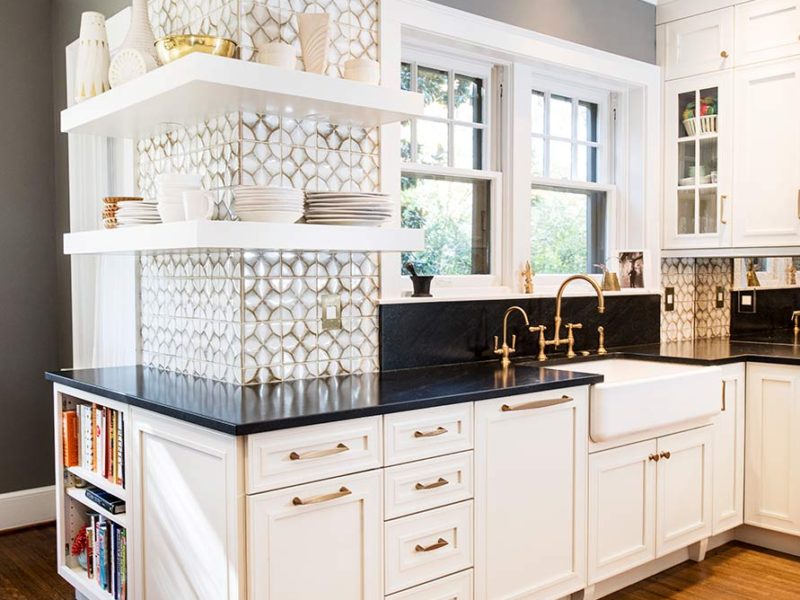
column 91, row 73
column 314, row 40
column 140, row 34
column 128, row 64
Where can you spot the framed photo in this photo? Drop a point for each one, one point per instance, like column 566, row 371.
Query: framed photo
column 631, row 269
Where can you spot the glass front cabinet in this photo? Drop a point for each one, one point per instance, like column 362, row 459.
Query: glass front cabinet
column 698, row 157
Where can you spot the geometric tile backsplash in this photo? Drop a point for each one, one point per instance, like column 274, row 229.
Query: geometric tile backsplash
column 695, row 281
column 252, row 317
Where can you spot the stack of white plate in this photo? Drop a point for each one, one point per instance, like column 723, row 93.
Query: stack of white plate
column 169, row 194
column 348, row 208
column 268, row 204
column 130, row 214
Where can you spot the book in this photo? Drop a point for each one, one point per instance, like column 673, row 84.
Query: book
column 111, row 474
column 120, row 449
column 100, row 443
column 123, row 564
column 69, row 437
column 102, row 550
column 90, row 551
column 86, row 436
column 105, row 500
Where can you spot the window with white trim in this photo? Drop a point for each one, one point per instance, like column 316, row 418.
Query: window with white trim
column 569, row 180
column 446, row 188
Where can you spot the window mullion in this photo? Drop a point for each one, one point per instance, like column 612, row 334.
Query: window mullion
column 415, row 87
column 546, row 136
column 574, row 141
column 451, row 113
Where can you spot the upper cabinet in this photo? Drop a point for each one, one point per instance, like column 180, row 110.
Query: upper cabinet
column 698, row 161
column 766, row 200
column 766, row 30
column 697, row 45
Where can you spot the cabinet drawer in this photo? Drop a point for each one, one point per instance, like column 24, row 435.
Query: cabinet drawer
column 455, row 587
column 427, row 546
column 429, row 432
column 428, row 484
column 277, row 459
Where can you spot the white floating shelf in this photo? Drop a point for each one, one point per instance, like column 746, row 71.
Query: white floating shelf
column 99, row 481
column 201, row 86
column 192, row 235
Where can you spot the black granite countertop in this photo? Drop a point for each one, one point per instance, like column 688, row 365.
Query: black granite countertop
column 241, row 410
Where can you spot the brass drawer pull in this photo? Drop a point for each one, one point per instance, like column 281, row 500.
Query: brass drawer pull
column 537, row 404
column 440, row 544
column 441, row 482
column 665, row 455
column 654, row 457
column 319, row 453
column 427, row 434
column 343, row 491
column 724, row 404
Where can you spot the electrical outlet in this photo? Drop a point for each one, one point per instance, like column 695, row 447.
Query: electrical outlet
column 747, row 301
column 331, row 305
column 720, row 297
column 669, row 299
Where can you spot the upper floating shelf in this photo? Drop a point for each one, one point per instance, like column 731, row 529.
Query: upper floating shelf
column 195, row 235
column 201, row 86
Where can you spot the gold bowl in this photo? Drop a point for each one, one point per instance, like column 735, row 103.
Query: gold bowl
column 173, row 47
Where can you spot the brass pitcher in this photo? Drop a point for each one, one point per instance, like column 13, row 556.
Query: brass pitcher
column 610, row 280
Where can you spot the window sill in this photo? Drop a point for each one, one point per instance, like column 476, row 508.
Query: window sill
column 505, row 295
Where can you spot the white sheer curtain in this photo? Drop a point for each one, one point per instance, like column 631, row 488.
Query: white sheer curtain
column 104, row 287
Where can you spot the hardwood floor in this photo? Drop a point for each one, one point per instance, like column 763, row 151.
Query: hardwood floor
column 28, row 566
column 731, row 572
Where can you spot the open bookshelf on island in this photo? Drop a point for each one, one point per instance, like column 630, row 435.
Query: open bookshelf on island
column 93, row 538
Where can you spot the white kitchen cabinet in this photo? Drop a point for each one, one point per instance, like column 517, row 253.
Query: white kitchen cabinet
column 319, row 540
column 729, row 452
column 530, row 495
column 187, row 510
column 767, row 30
column 622, row 507
column 684, row 500
column 699, row 44
column 766, row 180
column 698, row 161
column 772, row 471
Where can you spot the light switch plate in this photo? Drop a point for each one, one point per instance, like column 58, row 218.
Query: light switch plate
column 747, row 301
column 331, row 305
column 720, row 297
column 669, row 299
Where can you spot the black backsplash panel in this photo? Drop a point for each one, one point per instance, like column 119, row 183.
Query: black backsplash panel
column 451, row 332
column 773, row 311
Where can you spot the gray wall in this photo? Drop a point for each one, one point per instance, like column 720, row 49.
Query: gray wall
column 27, row 250
column 626, row 27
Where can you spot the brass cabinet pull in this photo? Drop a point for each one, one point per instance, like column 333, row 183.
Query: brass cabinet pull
column 724, row 54
column 440, row 544
column 723, row 396
column 666, row 455
column 537, row 404
column 343, row 491
column 654, row 457
column 319, row 453
column 427, row 434
column 722, row 202
column 432, row 486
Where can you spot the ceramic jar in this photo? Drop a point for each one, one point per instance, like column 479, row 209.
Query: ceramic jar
column 91, row 74
column 315, row 40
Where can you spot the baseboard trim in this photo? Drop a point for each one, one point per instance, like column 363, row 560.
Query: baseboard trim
column 27, row 507
column 771, row 540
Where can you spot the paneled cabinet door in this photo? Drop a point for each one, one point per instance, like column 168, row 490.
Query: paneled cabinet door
column 622, row 507
column 683, row 507
column 699, row 44
column 320, row 540
column 187, row 510
column 698, row 161
column 729, row 452
column 767, row 30
column 766, row 180
column 772, row 472
column 530, row 495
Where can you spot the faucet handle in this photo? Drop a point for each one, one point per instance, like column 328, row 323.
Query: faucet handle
column 537, row 329
column 497, row 349
column 574, row 325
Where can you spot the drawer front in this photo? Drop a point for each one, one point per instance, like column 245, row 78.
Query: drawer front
column 454, row 587
column 277, row 459
column 427, row 546
column 429, row 432
column 428, row 484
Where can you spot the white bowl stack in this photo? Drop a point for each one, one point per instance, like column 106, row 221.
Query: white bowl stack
column 169, row 194
column 368, row 209
column 268, row 204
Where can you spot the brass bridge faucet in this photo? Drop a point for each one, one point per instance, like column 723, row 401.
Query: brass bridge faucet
column 557, row 340
column 505, row 350
column 795, row 317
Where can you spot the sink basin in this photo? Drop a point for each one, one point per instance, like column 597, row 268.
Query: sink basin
column 638, row 396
